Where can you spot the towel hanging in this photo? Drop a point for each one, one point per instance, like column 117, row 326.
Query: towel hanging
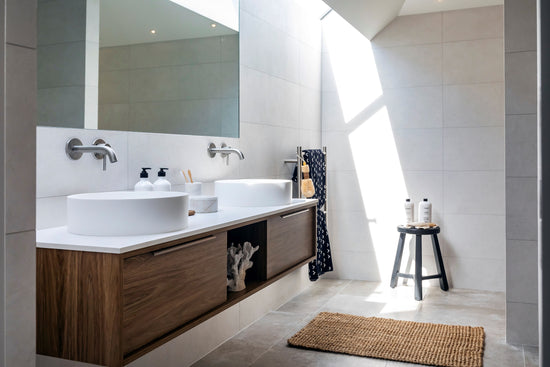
column 315, row 158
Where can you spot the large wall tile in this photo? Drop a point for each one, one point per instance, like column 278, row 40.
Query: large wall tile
column 20, row 115
column 115, row 87
column 428, row 185
column 58, row 175
column 70, row 12
column 483, row 239
column 521, row 208
column 332, row 114
column 161, row 84
column 73, row 58
column 283, row 103
column 475, row 61
column 253, row 100
column 411, row 30
column 310, row 67
column 350, row 231
column 521, row 270
column 521, row 25
column 473, row 24
column 114, row 58
column 419, row 149
column 179, row 152
column 419, row 107
column 21, row 23
column 51, row 212
column 341, row 156
column 20, row 299
column 521, row 83
column 474, row 192
column 473, row 105
column 61, row 107
column 522, row 323
column 310, row 109
column 476, row 149
column 344, row 191
column 488, row 274
column 409, row 66
column 355, row 265
column 521, row 145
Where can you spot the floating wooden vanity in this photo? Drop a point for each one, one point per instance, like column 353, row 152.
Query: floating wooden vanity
column 109, row 305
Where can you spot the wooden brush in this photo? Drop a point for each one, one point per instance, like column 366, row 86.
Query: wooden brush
column 307, row 185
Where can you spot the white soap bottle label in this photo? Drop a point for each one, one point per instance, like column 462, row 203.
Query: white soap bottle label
column 409, row 210
column 425, row 211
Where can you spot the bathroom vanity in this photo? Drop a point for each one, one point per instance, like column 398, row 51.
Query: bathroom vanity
column 110, row 300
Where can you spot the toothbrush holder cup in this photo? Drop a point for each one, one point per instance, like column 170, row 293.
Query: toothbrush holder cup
column 193, row 189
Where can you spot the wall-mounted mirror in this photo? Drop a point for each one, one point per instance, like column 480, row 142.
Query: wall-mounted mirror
column 139, row 65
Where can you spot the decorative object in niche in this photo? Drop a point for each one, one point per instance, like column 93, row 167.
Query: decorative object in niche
column 238, row 262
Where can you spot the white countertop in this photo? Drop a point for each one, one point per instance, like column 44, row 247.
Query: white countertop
column 59, row 238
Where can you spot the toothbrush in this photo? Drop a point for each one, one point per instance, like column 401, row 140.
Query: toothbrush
column 184, row 175
column 190, row 176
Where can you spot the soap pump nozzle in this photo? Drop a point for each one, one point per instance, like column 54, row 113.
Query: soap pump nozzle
column 161, row 173
column 144, row 173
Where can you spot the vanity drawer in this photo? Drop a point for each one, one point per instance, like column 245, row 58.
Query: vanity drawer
column 164, row 289
column 290, row 239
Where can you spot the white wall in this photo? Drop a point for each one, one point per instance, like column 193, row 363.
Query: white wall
column 521, row 172
column 280, row 108
column 419, row 112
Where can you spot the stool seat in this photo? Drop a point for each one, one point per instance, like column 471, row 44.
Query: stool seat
column 421, row 231
column 417, row 276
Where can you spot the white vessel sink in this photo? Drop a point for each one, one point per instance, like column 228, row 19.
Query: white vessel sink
column 127, row 213
column 253, row 192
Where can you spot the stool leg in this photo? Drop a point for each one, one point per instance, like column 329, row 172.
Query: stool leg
column 418, row 269
column 398, row 257
column 439, row 264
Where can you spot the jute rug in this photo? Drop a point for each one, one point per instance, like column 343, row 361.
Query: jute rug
column 406, row 341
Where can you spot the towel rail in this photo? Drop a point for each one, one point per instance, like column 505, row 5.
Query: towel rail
column 298, row 162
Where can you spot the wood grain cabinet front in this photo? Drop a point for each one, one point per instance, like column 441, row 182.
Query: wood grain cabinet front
column 164, row 289
column 290, row 239
column 110, row 309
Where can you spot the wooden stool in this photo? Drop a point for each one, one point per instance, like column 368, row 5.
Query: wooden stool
column 417, row 277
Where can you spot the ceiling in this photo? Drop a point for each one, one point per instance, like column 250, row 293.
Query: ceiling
column 431, row 6
column 371, row 16
column 127, row 22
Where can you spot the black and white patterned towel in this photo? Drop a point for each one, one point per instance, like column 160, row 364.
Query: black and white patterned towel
column 315, row 159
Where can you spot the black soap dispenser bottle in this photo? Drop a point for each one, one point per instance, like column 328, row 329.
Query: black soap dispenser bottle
column 162, row 184
column 143, row 184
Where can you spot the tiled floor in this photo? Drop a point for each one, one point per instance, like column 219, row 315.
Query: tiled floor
column 263, row 344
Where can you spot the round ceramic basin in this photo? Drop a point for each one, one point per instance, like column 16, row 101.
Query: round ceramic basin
column 253, row 192
column 127, row 213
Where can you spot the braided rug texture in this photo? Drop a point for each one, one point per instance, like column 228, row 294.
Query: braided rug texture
column 406, row 341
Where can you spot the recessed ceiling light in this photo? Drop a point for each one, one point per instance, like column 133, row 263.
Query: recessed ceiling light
column 153, row 31
column 213, row 25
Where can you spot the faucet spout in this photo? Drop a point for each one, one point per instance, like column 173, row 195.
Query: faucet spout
column 107, row 150
column 224, row 151
column 99, row 149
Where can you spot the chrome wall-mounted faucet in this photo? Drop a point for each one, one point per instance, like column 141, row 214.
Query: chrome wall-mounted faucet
column 224, row 150
column 99, row 148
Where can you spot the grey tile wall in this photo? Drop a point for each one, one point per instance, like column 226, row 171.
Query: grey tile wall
column 439, row 117
column 17, row 167
column 521, row 172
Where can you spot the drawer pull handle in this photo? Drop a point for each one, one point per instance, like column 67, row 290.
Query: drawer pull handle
column 295, row 213
column 182, row 246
